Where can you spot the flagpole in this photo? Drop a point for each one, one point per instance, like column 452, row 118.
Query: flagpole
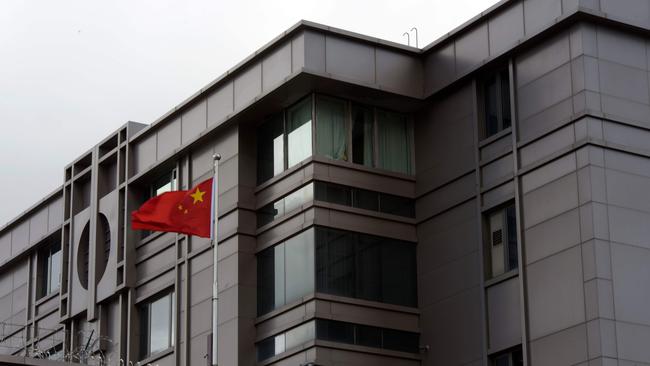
column 214, row 212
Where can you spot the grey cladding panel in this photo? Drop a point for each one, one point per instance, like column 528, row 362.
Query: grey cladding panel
column 548, row 173
column 144, row 153
column 506, row 28
column 447, row 237
column 38, row 225
column 497, row 170
column 548, row 145
column 626, row 135
column 220, row 104
column 436, row 286
column 539, row 13
column 5, row 247
column 193, row 121
column 567, row 347
column 504, row 322
column 632, row 345
column 351, row 60
column 545, row 91
column 471, row 49
column 298, row 52
column 314, row 48
column 55, row 214
column 631, row 273
column 276, row 67
column 19, row 237
column 168, row 138
column 453, row 329
column 555, row 293
column 632, row 10
column 628, row 190
column 624, row 82
column 542, row 58
column 550, row 200
column 621, row 47
column 439, row 68
column 399, row 72
column 248, row 85
column 552, row 236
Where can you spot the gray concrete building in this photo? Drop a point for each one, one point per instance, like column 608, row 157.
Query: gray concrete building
column 484, row 200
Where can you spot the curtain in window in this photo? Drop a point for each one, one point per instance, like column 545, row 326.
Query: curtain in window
column 299, row 130
column 362, row 135
column 394, row 146
column 330, row 129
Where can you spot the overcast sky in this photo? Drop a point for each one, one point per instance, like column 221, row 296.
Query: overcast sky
column 72, row 72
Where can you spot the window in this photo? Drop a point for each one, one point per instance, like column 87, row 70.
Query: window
column 365, row 267
column 50, row 269
column 331, row 130
column 285, row 272
column 512, row 357
column 393, row 142
column 362, row 135
column 284, row 142
column 502, row 240
column 166, row 183
column 496, row 103
column 157, row 325
column 368, row 336
column 336, row 262
column 285, row 341
column 344, row 131
column 364, row 199
column 339, row 332
column 290, row 203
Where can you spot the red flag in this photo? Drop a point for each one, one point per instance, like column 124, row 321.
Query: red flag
column 186, row 212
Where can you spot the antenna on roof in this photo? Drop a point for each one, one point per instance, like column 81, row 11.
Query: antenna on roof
column 416, row 37
column 408, row 38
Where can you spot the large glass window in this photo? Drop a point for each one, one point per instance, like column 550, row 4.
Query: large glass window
column 364, row 199
column 49, row 269
column 339, row 332
column 331, row 130
column 394, row 147
column 284, row 140
column 496, row 103
column 512, row 357
column 344, row 131
column 285, row 341
column 299, row 132
column 285, row 272
column 362, row 135
column 286, row 205
column 502, row 246
column 340, row 263
column 368, row 336
column 365, row 267
column 270, row 148
column 157, row 325
column 165, row 183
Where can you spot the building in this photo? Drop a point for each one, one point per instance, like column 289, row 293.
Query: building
column 482, row 201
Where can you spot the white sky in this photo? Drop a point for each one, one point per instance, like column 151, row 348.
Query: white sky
column 71, row 72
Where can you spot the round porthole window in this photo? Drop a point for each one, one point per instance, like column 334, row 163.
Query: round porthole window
column 103, row 251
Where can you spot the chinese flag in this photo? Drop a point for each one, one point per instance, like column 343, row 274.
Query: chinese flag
column 185, row 212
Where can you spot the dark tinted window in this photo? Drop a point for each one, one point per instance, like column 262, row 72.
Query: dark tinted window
column 366, row 267
column 364, row 199
column 368, row 336
column 270, row 148
column 362, row 135
column 496, row 103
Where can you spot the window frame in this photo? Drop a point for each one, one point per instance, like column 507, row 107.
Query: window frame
column 483, row 82
column 487, row 240
column 145, row 332
column 45, row 255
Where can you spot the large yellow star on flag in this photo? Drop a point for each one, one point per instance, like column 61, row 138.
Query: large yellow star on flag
column 197, row 196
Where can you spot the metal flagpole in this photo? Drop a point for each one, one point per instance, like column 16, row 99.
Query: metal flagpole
column 214, row 212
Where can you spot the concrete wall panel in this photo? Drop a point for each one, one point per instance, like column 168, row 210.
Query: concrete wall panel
column 248, row 85
column 472, row 48
column 559, row 278
column 168, row 138
column 506, row 28
column 193, row 121
column 350, row 60
column 220, row 104
column 504, row 315
column 276, row 66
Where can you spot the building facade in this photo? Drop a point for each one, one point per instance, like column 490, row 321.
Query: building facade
column 482, row 201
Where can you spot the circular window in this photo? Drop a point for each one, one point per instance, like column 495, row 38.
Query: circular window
column 103, row 245
column 83, row 256
column 103, row 251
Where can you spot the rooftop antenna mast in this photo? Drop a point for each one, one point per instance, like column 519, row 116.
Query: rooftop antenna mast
column 416, row 37
column 408, row 38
